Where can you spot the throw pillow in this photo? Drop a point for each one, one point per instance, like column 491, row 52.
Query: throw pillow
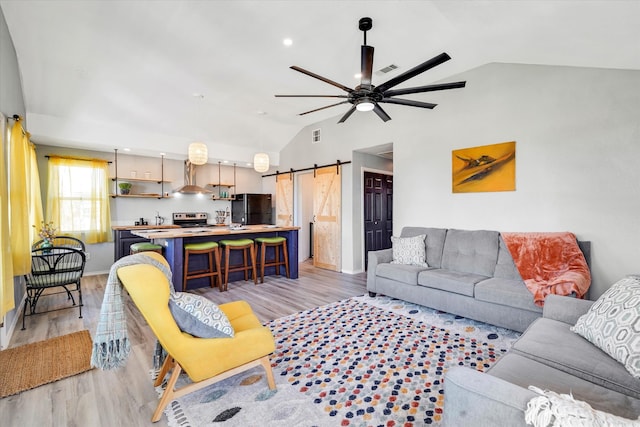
column 612, row 322
column 552, row 409
column 199, row 317
column 409, row 250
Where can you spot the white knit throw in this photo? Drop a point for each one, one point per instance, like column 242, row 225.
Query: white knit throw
column 111, row 341
column 562, row 410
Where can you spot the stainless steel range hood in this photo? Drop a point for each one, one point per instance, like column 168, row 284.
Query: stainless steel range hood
column 190, row 186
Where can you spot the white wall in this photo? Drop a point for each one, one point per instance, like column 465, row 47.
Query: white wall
column 576, row 133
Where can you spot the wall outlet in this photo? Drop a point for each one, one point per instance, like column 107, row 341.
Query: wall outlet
column 87, row 256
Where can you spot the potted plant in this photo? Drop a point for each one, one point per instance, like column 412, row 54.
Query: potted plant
column 47, row 233
column 125, row 187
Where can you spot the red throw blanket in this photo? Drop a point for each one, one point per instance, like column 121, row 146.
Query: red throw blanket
column 549, row 263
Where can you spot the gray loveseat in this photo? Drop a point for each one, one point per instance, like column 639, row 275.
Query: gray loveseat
column 471, row 273
column 548, row 356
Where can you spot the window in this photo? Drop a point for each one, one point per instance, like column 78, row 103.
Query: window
column 78, row 198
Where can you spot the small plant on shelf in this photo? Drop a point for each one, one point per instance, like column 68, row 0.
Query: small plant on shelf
column 125, row 187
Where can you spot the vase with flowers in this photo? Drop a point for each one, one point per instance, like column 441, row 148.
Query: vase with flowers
column 47, row 233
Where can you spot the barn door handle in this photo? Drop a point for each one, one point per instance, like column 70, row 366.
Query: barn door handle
column 314, row 218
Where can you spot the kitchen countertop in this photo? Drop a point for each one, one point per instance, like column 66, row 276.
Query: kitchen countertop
column 143, row 227
column 149, row 232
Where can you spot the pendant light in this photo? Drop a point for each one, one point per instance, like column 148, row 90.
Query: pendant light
column 198, row 154
column 261, row 160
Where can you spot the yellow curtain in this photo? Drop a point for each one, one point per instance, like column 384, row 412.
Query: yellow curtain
column 6, row 262
column 20, row 199
column 78, row 198
column 35, row 213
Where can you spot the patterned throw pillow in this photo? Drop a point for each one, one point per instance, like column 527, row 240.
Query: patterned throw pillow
column 199, row 317
column 613, row 321
column 409, row 250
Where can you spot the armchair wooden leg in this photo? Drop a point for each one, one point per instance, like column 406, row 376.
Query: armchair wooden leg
column 168, row 394
column 169, row 362
column 266, row 364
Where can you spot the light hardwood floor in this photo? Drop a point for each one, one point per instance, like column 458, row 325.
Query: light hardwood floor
column 126, row 397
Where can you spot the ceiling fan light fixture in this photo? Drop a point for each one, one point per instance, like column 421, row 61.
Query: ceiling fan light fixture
column 261, row 162
column 198, row 154
column 365, row 104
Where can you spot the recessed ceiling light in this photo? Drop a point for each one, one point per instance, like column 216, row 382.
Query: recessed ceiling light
column 358, row 75
column 225, row 161
column 163, row 154
column 248, row 164
column 127, row 149
column 287, row 42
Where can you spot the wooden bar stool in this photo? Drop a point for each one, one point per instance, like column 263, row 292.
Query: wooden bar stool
column 136, row 248
column 244, row 245
column 276, row 243
column 212, row 271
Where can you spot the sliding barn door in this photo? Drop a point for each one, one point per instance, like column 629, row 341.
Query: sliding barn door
column 327, row 193
column 284, row 200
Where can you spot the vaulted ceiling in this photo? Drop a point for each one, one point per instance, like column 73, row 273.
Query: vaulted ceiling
column 154, row 76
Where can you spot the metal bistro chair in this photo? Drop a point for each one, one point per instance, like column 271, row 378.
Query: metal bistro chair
column 62, row 241
column 50, row 268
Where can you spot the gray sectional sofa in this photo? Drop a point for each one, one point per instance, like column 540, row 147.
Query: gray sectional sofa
column 548, row 356
column 471, row 273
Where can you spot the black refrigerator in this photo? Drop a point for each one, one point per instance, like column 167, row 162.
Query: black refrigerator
column 250, row 209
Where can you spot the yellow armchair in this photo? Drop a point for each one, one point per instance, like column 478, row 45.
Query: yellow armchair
column 205, row 360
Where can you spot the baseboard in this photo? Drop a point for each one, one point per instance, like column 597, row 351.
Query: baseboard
column 6, row 332
column 96, row 273
column 352, row 271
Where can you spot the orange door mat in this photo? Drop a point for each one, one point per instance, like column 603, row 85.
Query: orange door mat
column 32, row 365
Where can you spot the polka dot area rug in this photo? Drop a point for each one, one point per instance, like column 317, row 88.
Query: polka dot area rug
column 358, row 362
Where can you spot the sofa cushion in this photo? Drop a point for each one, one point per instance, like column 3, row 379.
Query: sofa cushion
column 451, row 281
column 553, row 343
column 471, row 251
column 400, row 272
column 512, row 293
column 434, row 242
column 524, row 372
column 409, row 250
column 505, row 267
column 613, row 323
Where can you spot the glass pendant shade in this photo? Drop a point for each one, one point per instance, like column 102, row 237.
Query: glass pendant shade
column 261, row 162
column 198, row 153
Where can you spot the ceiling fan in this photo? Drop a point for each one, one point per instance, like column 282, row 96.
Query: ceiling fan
column 366, row 96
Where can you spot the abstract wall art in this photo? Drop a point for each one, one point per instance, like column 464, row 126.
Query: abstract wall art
column 484, row 168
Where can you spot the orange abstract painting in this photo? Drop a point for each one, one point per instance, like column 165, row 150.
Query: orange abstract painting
column 484, row 168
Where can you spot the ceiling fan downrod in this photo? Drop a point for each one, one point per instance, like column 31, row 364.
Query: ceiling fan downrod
column 365, row 24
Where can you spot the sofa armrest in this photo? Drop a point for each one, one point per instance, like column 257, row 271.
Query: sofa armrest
column 473, row 398
column 375, row 258
column 565, row 309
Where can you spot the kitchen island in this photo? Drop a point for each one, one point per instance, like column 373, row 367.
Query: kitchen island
column 174, row 239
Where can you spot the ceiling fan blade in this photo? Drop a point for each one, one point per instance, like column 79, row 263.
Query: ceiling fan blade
column 347, row 114
column 408, row 102
column 311, row 96
column 324, row 79
column 381, row 113
column 366, row 65
column 420, row 89
column 322, row 108
column 436, row 60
